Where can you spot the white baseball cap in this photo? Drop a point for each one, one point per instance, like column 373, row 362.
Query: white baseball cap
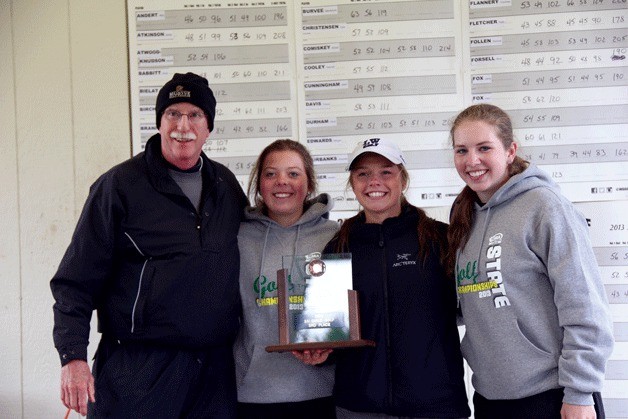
column 380, row 146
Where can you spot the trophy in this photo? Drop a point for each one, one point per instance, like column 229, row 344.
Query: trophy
column 317, row 309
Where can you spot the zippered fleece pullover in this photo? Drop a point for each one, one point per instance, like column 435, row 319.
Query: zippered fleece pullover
column 264, row 377
column 408, row 307
column 535, row 310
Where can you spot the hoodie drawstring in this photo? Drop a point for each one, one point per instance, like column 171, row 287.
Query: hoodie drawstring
column 481, row 246
column 294, row 248
column 261, row 265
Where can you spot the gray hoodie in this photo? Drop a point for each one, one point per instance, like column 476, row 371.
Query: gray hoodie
column 532, row 299
column 264, row 377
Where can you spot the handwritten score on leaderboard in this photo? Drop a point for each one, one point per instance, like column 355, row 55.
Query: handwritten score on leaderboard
column 609, row 236
column 330, row 73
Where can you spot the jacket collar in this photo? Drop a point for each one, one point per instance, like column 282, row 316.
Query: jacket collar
column 158, row 168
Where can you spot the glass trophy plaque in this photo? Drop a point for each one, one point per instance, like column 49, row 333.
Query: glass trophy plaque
column 317, row 309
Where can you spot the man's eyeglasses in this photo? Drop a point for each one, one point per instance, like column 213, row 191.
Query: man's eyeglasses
column 175, row 116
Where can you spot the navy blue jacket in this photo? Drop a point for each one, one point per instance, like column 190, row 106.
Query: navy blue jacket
column 409, row 309
column 154, row 268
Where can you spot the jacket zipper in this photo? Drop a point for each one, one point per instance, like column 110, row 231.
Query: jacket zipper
column 139, row 285
column 386, row 317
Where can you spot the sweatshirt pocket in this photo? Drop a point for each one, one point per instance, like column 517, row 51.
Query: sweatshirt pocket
column 506, row 364
column 532, row 345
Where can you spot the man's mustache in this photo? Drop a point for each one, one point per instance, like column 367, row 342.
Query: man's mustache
column 183, row 135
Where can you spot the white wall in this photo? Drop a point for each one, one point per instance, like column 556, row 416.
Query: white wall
column 64, row 119
column 10, row 353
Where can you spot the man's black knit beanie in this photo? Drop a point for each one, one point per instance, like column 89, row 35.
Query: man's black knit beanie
column 190, row 88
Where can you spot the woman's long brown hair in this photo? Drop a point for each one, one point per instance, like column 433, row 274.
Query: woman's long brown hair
column 462, row 212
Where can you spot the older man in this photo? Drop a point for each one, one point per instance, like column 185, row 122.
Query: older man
column 155, row 253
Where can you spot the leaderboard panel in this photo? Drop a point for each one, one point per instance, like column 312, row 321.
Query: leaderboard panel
column 388, row 69
column 330, row 73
